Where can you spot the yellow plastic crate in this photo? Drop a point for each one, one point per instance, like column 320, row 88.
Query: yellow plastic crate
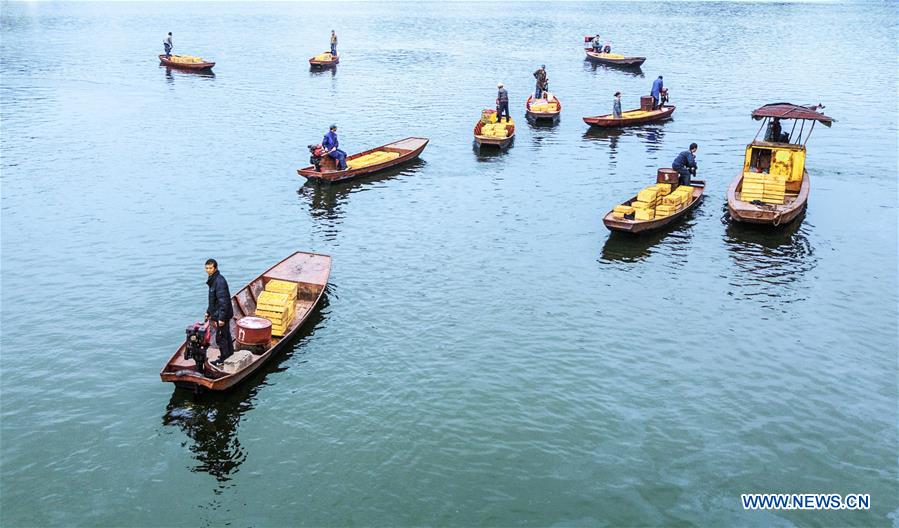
column 650, row 194
column 275, row 298
column 644, row 214
column 280, row 286
column 663, row 188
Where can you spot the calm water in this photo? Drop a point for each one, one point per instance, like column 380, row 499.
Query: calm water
column 487, row 354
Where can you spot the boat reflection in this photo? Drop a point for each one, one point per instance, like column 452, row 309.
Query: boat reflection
column 315, row 71
column 490, row 152
column 624, row 247
column 170, row 73
column 770, row 262
column 606, row 135
column 326, row 200
column 210, row 420
column 652, row 135
column 633, row 71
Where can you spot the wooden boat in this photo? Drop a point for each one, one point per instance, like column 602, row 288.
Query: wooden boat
column 309, row 270
column 780, row 157
column 613, row 59
column 631, row 117
column 540, row 115
column 408, row 149
column 647, row 226
column 322, row 63
column 195, row 66
column 492, row 141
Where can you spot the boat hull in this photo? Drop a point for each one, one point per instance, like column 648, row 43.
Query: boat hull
column 193, row 66
column 772, row 215
column 627, row 62
column 608, row 121
column 542, row 116
column 324, row 64
column 409, row 149
column 636, row 227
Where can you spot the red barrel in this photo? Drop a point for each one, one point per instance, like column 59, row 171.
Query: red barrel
column 667, row 176
column 254, row 331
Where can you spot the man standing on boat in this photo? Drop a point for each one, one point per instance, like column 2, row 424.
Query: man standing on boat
column 330, row 144
column 333, row 43
column 167, row 45
column 685, row 164
column 219, row 311
column 656, row 92
column 502, row 103
column 616, row 106
column 540, row 75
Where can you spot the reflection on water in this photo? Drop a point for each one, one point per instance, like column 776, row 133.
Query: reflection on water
column 771, row 261
column 170, row 73
column 652, row 136
column 326, row 200
column 490, row 152
column 315, row 71
column 210, row 419
column 625, row 247
column 633, row 71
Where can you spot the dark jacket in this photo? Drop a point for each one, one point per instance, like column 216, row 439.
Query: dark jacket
column 502, row 96
column 219, row 308
column 684, row 160
column 540, row 75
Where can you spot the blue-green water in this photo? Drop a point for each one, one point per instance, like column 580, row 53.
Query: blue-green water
column 487, row 353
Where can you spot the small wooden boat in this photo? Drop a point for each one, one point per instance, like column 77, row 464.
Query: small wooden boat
column 172, row 62
column 370, row 161
column 538, row 114
column 614, row 59
column 492, row 140
column 777, row 189
column 309, row 271
column 631, row 117
column 647, row 226
column 325, row 59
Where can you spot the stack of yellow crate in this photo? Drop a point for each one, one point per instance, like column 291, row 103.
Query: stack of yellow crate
column 495, row 130
column 645, row 204
column 372, row 158
column 675, row 201
column 488, row 116
column 767, row 188
column 323, row 56
column 277, row 304
column 621, row 210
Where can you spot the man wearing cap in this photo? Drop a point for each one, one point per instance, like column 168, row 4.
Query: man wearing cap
column 540, row 75
column 656, row 92
column 167, row 45
column 616, row 106
column 502, row 103
column 330, row 144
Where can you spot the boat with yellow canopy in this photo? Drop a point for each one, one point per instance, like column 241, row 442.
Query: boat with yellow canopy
column 773, row 187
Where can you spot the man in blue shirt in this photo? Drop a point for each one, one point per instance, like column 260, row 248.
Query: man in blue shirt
column 616, row 106
column 656, row 92
column 330, row 144
column 685, row 164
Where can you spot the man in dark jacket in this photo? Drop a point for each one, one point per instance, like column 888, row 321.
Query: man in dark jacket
column 685, row 164
column 542, row 84
column 502, row 103
column 219, row 312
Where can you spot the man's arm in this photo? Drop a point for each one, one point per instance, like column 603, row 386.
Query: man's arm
column 221, row 296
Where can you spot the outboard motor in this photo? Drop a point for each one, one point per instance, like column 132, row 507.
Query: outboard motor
column 315, row 156
column 197, row 342
column 607, row 49
column 663, row 97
